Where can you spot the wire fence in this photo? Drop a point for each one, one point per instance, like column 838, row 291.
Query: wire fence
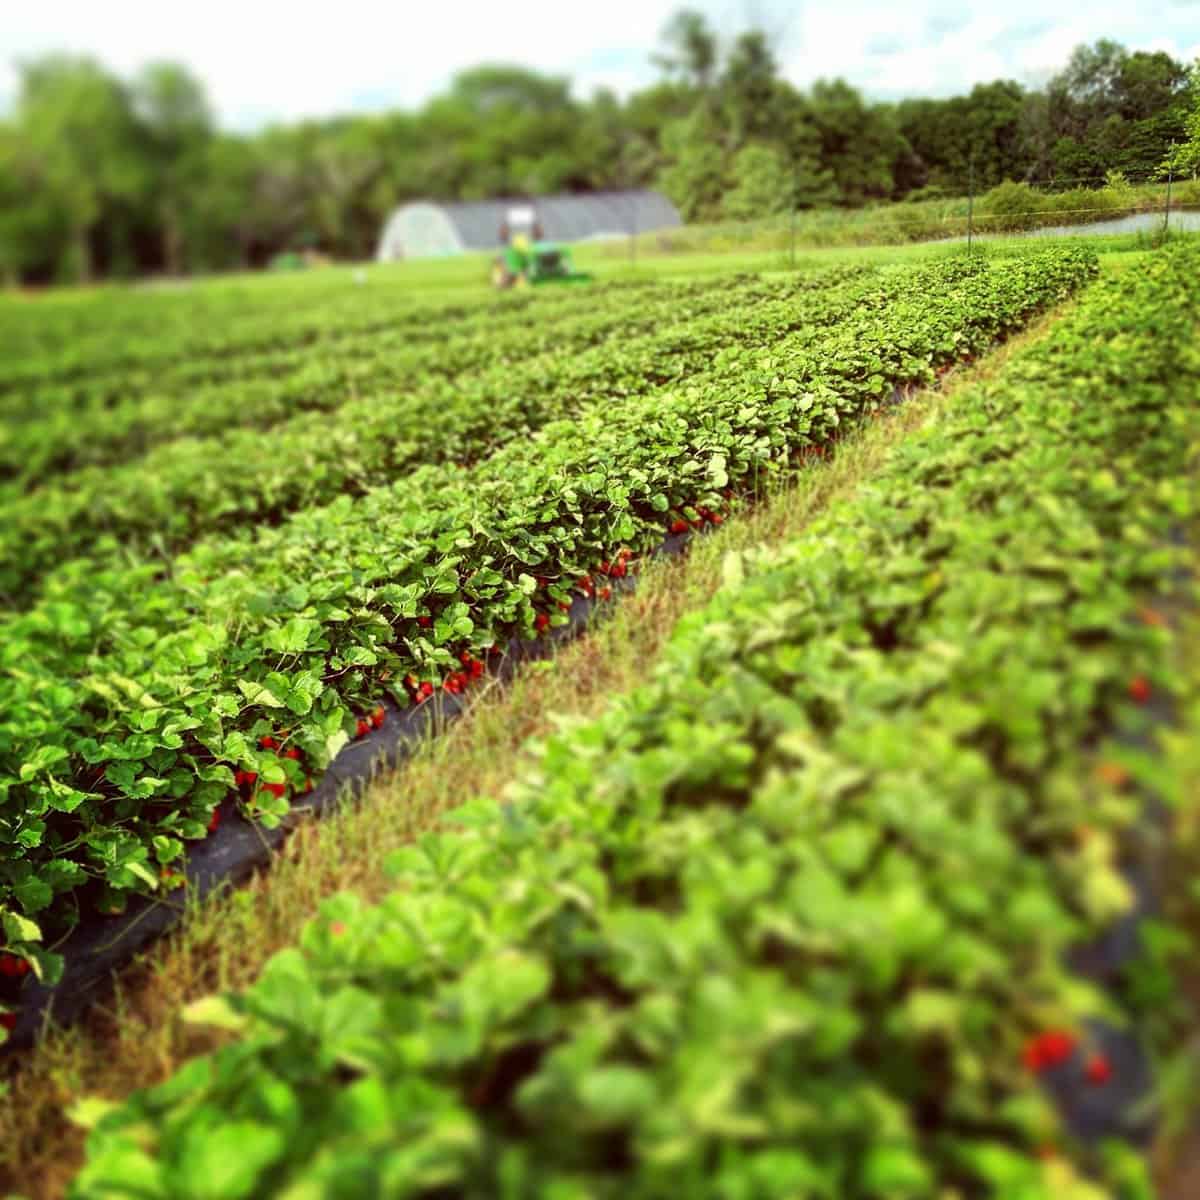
column 1140, row 203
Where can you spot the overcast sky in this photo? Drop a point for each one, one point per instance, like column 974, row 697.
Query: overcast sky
column 264, row 61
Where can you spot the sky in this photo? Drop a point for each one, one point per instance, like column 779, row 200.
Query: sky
column 264, row 61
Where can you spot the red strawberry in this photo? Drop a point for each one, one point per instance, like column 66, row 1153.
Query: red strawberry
column 362, row 728
column 619, row 571
column 424, row 622
column 8, row 964
column 249, row 776
column 276, row 789
column 717, row 519
column 377, row 717
column 239, row 778
column 1050, row 1049
column 603, row 568
column 476, row 669
column 214, row 820
column 8, row 1020
column 679, row 526
column 465, row 658
column 267, row 742
column 291, row 753
column 426, row 690
column 1139, row 689
column 541, row 621
column 410, row 682
column 605, row 593
column 1099, row 1070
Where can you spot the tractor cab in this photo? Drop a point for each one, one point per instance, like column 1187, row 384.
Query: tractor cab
column 526, row 260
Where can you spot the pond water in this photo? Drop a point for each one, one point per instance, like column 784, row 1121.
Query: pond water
column 1182, row 221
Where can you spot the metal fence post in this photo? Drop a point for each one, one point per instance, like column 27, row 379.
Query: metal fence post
column 1170, row 176
column 795, row 190
column 970, row 201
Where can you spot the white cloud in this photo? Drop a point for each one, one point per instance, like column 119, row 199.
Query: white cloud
column 267, row 60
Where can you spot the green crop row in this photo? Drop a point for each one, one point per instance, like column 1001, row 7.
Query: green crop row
column 341, row 341
column 112, row 428
column 184, row 489
column 75, row 341
column 130, row 696
column 779, row 923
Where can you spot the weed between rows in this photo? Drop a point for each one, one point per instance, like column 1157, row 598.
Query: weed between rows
column 136, row 1037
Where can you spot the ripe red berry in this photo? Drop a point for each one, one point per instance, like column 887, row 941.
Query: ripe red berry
column 605, row 593
column 291, row 752
column 424, row 622
column 239, row 778
column 250, row 776
column 620, row 571
column 426, row 690
column 362, row 728
column 541, row 621
column 22, row 967
column 214, row 820
column 8, row 1020
column 276, row 789
column 1139, row 689
column 717, row 519
column 603, row 568
column 8, row 964
column 1099, row 1070
column 465, row 657
column 1050, row 1049
column 679, row 526
column 476, row 669
column 377, row 717
column 410, row 681
column 267, row 742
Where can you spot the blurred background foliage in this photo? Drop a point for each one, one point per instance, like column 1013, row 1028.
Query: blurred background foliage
column 108, row 176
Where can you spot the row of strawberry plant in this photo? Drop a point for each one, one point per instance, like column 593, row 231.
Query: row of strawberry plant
column 186, row 488
column 63, row 439
column 789, row 920
column 421, row 327
column 126, row 708
column 72, row 341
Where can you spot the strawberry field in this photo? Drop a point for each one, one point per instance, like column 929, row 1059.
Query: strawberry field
column 792, row 919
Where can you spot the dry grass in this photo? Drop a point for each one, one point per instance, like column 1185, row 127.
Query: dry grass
column 135, row 1037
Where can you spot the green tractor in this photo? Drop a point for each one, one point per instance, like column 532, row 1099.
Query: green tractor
column 525, row 260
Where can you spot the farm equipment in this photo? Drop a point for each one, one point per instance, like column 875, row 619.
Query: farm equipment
column 525, row 260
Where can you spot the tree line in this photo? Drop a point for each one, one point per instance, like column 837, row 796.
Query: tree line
column 102, row 175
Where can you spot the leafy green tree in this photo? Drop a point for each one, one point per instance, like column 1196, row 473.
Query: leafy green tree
column 691, row 49
column 82, row 137
column 762, row 184
column 749, row 90
column 1184, row 158
column 860, row 143
column 694, row 179
column 175, row 117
